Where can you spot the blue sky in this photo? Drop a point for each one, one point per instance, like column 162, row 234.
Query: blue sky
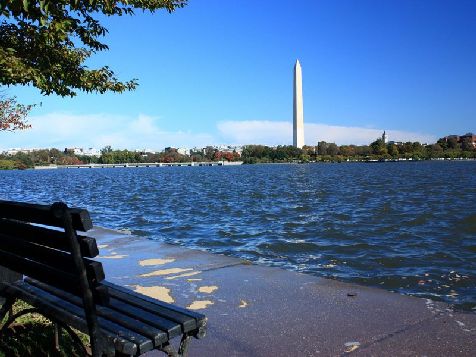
column 220, row 72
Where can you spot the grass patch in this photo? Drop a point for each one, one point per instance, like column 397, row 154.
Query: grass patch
column 33, row 335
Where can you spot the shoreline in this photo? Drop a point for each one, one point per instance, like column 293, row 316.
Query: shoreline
column 229, row 163
column 295, row 313
column 364, row 161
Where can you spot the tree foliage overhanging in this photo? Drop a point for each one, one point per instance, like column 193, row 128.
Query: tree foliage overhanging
column 13, row 114
column 45, row 43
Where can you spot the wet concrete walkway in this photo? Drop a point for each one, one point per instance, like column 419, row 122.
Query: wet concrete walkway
column 261, row 311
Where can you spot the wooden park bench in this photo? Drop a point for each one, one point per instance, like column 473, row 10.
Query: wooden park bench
column 62, row 282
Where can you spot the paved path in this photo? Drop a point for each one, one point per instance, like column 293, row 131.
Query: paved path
column 262, row 311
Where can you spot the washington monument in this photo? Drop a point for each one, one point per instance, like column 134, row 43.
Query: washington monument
column 298, row 122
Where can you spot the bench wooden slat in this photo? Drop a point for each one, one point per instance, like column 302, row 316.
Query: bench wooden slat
column 42, row 214
column 47, row 237
column 49, row 275
column 54, row 258
column 156, row 334
column 131, row 296
column 187, row 322
column 143, row 343
column 172, row 328
column 53, row 307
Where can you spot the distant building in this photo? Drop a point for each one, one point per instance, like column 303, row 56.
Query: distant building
column 230, row 148
column 15, row 151
column 239, row 150
column 469, row 136
column 183, row 151
column 398, row 143
column 83, row 152
column 461, row 138
column 91, row 152
column 385, row 137
column 449, row 137
column 149, row 151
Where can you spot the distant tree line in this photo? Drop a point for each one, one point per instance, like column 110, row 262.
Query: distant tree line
column 45, row 157
column 23, row 160
column 451, row 147
column 445, row 148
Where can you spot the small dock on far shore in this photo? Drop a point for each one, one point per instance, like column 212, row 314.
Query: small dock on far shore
column 141, row 164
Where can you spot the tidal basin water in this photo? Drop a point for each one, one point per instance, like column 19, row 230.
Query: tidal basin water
column 406, row 227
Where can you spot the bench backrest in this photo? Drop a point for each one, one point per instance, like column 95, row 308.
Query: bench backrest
column 41, row 242
column 45, row 252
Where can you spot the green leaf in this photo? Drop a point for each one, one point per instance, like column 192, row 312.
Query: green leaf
column 48, row 49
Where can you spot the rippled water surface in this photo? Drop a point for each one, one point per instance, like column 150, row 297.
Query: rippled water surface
column 407, row 227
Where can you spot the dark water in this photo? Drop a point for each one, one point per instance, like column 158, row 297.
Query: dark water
column 406, row 227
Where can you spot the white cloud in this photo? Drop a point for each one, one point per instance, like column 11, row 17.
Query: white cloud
column 256, row 132
column 62, row 130
column 280, row 133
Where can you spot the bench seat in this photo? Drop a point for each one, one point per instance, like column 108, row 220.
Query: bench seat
column 133, row 323
column 66, row 285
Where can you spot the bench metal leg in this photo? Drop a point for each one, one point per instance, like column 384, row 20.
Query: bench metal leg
column 76, row 340
column 57, row 334
column 12, row 317
column 169, row 350
column 184, row 343
column 6, row 308
column 183, row 348
column 57, row 326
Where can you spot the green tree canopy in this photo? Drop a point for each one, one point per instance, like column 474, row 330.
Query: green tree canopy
column 45, row 43
column 467, row 144
column 378, row 147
